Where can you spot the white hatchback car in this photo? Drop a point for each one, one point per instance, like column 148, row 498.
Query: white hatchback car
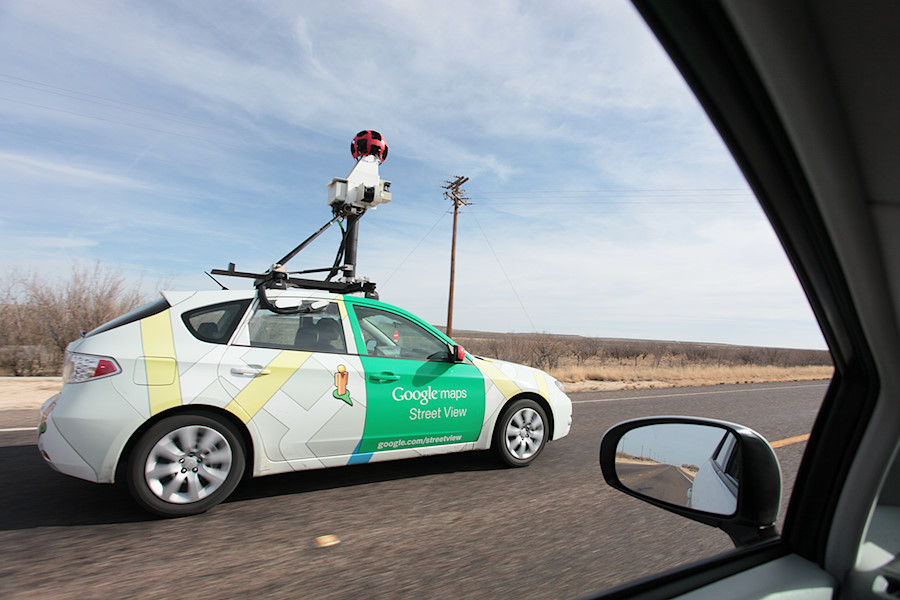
column 185, row 395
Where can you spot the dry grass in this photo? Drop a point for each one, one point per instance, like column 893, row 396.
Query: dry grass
column 622, row 376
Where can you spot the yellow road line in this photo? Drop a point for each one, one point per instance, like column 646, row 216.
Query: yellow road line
column 791, row 440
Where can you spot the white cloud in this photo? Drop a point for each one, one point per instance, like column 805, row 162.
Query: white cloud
column 18, row 166
column 56, row 242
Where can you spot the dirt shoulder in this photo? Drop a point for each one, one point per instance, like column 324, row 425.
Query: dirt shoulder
column 20, row 393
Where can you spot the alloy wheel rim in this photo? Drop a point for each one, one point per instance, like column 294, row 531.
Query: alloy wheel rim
column 188, row 464
column 524, row 433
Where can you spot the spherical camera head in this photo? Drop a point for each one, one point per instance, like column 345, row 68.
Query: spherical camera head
column 369, row 143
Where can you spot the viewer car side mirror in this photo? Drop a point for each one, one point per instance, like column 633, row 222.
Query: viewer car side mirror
column 721, row 474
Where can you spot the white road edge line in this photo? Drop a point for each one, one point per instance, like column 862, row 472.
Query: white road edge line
column 14, row 429
column 785, row 387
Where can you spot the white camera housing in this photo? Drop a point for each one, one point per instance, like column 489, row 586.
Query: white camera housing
column 363, row 186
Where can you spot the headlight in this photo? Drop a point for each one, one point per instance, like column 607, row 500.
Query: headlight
column 84, row 367
column 560, row 385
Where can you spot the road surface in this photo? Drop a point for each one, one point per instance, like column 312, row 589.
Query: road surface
column 436, row 527
column 660, row 481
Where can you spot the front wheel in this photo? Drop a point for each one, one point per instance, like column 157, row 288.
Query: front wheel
column 185, row 465
column 521, row 433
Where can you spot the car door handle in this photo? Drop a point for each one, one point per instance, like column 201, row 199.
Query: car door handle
column 383, row 377
column 249, row 372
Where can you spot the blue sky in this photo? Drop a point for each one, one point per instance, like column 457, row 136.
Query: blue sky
column 170, row 138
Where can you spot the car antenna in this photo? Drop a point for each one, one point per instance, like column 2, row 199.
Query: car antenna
column 216, row 280
column 349, row 198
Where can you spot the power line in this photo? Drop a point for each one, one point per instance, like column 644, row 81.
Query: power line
column 146, row 110
column 600, row 202
column 502, row 270
column 114, row 122
column 620, row 191
column 101, row 149
column 416, row 247
column 599, row 210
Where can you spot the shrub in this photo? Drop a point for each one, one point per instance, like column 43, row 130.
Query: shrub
column 39, row 316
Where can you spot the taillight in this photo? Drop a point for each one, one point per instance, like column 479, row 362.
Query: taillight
column 84, row 367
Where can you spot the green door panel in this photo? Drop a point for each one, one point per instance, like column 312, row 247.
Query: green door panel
column 420, row 403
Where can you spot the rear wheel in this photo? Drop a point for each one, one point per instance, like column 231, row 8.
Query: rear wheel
column 185, row 465
column 521, row 433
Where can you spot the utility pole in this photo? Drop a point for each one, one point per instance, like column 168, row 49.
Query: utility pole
column 453, row 191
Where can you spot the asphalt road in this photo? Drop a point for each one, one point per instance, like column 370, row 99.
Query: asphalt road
column 435, row 527
column 661, row 481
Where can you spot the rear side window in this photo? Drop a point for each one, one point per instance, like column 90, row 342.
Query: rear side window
column 215, row 323
column 314, row 331
column 148, row 310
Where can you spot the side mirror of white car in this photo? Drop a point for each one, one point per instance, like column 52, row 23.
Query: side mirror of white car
column 457, row 353
column 721, row 474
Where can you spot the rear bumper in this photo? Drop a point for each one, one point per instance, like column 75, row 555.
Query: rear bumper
column 56, row 451
column 84, row 429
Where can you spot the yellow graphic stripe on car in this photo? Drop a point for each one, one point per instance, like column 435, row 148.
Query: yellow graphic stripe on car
column 263, row 386
column 543, row 389
column 341, row 307
column 503, row 383
column 345, row 325
column 164, row 387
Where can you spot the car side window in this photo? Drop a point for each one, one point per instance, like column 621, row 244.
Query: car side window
column 727, row 460
column 388, row 334
column 723, row 453
column 215, row 323
column 318, row 331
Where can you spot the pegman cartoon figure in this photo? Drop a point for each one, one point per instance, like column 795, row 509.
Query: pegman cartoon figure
column 340, row 384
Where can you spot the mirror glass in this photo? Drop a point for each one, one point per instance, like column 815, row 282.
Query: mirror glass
column 688, row 465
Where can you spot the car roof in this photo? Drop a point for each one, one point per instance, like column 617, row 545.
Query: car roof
column 204, row 297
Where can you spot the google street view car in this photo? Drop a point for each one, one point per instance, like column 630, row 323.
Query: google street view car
column 185, row 395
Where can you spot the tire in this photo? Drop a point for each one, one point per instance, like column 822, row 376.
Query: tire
column 521, row 433
column 185, row 465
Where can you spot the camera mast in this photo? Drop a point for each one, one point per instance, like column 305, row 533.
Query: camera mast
column 349, row 198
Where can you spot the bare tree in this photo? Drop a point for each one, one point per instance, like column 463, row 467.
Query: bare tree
column 658, row 350
column 90, row 297
column 546, row 350
column 20, row 350
column 40, row 316
column 585, row 348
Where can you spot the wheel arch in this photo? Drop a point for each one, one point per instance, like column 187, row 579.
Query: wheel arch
column 194, row 409
column 551, row 424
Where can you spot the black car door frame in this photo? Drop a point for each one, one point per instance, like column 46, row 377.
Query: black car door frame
column 703, row 42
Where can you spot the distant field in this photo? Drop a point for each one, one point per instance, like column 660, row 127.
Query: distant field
column 608, row 363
